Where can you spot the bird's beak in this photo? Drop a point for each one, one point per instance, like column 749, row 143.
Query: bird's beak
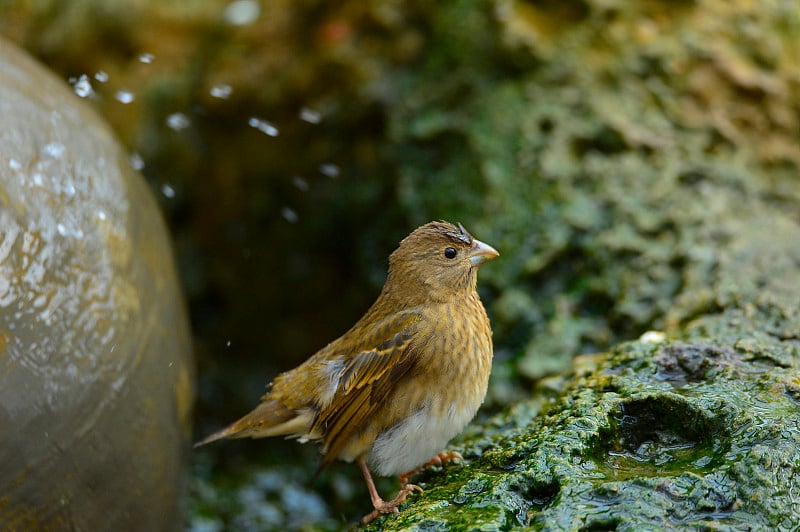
column 481, row 253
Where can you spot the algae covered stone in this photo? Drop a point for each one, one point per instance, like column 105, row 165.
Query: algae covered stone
column 682, row 434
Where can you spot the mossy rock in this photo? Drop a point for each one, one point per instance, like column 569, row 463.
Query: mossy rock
column 682, row 433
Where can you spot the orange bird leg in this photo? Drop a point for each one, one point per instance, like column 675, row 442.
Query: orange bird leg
column 439, row 459
column 381, row 506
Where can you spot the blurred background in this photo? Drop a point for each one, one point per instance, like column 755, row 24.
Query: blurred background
column 292, row 144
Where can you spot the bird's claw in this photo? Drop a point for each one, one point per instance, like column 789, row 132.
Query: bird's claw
column 439, row 459
column 390, row 507
column 413, row 487
column 443, row 457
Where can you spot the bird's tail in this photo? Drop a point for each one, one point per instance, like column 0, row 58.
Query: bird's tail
column 227, row 432
column 270, row 418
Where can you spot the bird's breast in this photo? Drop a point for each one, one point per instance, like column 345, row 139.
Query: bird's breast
column 444, row 392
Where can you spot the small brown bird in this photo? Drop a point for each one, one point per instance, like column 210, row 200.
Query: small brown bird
column 407, row 377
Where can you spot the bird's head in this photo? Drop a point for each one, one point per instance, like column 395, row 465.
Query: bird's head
column 437, row 261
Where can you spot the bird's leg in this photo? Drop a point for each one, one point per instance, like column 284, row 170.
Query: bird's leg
column 381, row 506
column 439, row 459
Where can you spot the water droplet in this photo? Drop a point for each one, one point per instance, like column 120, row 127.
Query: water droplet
column 310, row 116
column 289, row 215
column 101, row 215
column 54, row 149
column 221, row 91
column 178, row 121
column 136, row 161
column 117, row 383
column 300, row 183
column 268, row 128
column 242, row 12
column 125, row 96
column 69, row 189
column 146, row 58
column 37, row 179
column 329, row 169
column 168, row 191
column 83, row 87
column 228, row 343
column 14, row 164
column 101, row 76
column 61, row 229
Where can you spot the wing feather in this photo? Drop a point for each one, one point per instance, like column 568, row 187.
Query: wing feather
column 365, row 381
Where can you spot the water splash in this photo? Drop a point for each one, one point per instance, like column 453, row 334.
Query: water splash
column 178, row 121
column 55, row 149
column 268, row 128
column 83, row 87
column 289, row 215
column 137, row 163
column 300, row 183
column 309, row 115
column 241, row 12
column 222, row 91
column 329, row 169
column 124, row 96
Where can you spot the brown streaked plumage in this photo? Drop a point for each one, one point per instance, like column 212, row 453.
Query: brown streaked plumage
column 407, row 377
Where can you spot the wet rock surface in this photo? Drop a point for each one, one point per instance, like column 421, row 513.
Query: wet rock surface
column 622, row 448
column 96, row 375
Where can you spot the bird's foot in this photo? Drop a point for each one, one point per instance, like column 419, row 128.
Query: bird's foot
column 390, row 507
column 443, row 457
column 439, row 459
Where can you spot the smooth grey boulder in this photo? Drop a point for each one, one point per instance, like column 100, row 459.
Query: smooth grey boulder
column 96, row 375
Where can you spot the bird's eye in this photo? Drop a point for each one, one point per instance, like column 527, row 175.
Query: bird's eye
column 450, row 253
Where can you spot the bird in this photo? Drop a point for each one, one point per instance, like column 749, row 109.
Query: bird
column 392, row 391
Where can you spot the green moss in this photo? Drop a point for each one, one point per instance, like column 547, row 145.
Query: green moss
column 597, row 162
column 687, row 433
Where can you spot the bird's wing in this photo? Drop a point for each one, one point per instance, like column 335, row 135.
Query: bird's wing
column 365, row 379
